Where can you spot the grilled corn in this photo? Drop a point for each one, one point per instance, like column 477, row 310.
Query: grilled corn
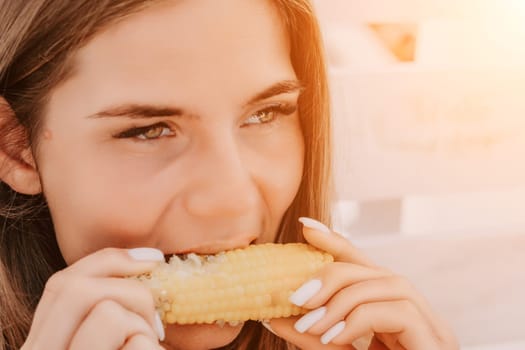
column 253, row 283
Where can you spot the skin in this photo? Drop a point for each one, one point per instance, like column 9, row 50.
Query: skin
column 381, row 310
column 224, row 172
column 219, row 176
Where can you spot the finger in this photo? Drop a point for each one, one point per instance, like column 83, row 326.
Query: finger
column 385, row 342
column 141, row 342
column 104, row 263
column 391, row 344
column 116, row 262
column 400, row 317
column 75, row 300
column 371, row 286
column 319, row 320
column 390, row 288
column 367, row 343
column 333, row 278
column 283, row 328
column 109, row 326
column 320, row 236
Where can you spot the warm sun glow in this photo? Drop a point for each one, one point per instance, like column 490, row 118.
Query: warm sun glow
column 507, row 10
column 520, row 6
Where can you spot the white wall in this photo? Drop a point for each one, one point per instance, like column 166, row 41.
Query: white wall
column 430, row 155
column 448, row 126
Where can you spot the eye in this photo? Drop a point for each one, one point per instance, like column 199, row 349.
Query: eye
column 148, row 133
column 154, row 133
column 270, row 114
column 261, row 117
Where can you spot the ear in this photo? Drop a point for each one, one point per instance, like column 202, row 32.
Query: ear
column 17, row 165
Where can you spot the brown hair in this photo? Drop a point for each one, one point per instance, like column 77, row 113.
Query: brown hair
column 37, row 38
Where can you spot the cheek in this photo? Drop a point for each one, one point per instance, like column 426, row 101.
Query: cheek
column 95, row 203
column 90, row 221
column 281, row 164
column 99, row 220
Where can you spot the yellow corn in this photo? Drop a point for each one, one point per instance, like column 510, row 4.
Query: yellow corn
column 253, row 283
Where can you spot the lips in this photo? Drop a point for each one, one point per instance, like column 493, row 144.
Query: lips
column 211, row 248
column 206, row 336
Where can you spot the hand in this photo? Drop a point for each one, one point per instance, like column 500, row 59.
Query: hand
column 352, row 298
column 89, row 305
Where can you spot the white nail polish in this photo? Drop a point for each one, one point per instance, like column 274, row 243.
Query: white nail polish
column 308, row 320
column 159, row 327
column 305, row 292
column 333, row 332
column 146, row 254
column 314, row 224
column 268, row 327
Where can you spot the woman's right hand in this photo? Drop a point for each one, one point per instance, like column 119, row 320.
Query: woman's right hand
column 89, row 305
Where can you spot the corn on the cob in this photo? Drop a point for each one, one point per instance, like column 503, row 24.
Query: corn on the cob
column 253, row 283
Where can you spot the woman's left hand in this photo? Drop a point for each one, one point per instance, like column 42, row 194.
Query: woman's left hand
column 353, row 298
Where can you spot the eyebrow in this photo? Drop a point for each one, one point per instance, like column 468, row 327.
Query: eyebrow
column 282, row 87
column 134, row 111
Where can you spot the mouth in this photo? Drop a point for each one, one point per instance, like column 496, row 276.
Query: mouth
column 218, row 336
column 205, row 250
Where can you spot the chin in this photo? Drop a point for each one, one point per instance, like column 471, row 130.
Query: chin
column 199, row 337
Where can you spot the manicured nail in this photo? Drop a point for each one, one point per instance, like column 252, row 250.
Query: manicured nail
column 305, row 292
column 268, row 327
column 308, row 320
column 333, row 332
column 314, row 224
column 146, row 254
column 159, row 327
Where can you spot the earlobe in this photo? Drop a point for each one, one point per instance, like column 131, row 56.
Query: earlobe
column 17, row 166
column 20, row 176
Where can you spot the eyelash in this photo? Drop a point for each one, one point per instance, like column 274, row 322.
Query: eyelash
column 137, row 132
column 281, row 109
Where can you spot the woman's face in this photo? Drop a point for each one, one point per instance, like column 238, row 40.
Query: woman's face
column 177, row 130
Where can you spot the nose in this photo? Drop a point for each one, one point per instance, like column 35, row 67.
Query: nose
column 223, row 185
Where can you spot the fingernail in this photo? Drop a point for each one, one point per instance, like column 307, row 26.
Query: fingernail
column 268, row 327
column 305, row 292
column 146, row 254
column 159, row 327
column 314, row 224
column 333, row 332
column 363, row 342
column 308, row 320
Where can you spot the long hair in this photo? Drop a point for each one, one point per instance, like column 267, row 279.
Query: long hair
column 37, row 38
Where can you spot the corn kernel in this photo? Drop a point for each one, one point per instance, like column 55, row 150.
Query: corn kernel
column 253, row 283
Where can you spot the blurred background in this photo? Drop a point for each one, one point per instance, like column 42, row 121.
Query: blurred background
column 429, row 137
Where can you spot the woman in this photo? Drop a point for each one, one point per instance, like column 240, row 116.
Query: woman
column 135, row 129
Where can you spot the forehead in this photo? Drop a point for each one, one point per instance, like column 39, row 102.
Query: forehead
column 182, row 25
column 177, row 45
